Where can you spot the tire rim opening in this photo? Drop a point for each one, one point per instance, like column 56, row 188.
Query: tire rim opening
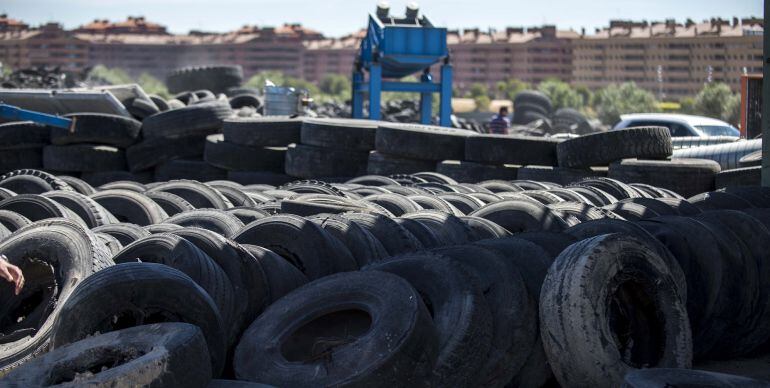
column 22, row 315
column 636, row 321
column 319, row 338
column 92, row 363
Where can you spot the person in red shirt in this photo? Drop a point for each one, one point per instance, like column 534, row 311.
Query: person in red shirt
column 12, row 274
column 500, row 122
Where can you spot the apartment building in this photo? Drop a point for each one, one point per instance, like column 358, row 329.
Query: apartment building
column 670, row 59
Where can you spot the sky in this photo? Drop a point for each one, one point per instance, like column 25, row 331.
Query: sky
column 339, row 17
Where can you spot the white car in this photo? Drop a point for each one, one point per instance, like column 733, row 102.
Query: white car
column 680, row 125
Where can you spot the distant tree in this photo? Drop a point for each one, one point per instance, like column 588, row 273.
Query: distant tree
column 482, row 103
column 732, row 112
column 585, row 92
column 259, row 80
column 562, row 95
column 152, row 85
column 687, row 105
column 716, row 100
column 615, row 100
column 101, row 74
column 335, row 85
column 508, row 89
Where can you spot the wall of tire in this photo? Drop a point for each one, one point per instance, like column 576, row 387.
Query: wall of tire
column 196, row 247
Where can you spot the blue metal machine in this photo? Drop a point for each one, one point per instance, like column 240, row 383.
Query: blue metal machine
column 13, row 113
column 395, row 48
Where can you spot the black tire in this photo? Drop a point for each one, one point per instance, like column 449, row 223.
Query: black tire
column 130, row 206
column 424, row 142
column 460, row 313
column 172, row 204
column 397, row 204
column 245, row 99
column 193, row 169
column 395, row 238
column 152, row 152
column 484, row 229
column 421, row 232
column 471, row 172
column 13, row 221
column 600, row 149
column 162, row 228
column 55, row 256
column 258, row 177
column 21, row 157
column 214, row 78
column 36, row 208
column 124, row 185
column 247, row 214
column 535, row 98
column 157, row 355
column 339, row 133
column 738, row 177
column 615, row 189
column 305, row 245
column 245, row 272
column 282, row 277
column 718, row 200
column 372, row 180
column 463, row 202
column 619, row 275
column 196, row 193
column 195, row 120
column 751, row 160
column 232, row 156
column 514, row 311
column 385, row 164
column 98, row 128
column 84, row 157
column 406, row 357
column 686, row 177
column 304, row 161
column 449, row 229
column 238, row 196
column 262, row 131
column 140, row 292
column 432, row 202
column 364, row 247
column 672, row 377
column 32, row 182
column 521, row 216
column 509, row 149
column 215, row 220
column 24, row 133
column 727, row 155
column 101, row 178
column 78, row 184
column 560, row 175
column 125, row 233
column 88, row 210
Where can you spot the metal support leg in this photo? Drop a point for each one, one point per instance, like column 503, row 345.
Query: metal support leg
column 357, row 96
column 375, row 90
column 766, row 101
column 426, row 100
column 445, row 108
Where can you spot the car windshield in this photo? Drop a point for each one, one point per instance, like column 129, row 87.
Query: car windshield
column 718, row 130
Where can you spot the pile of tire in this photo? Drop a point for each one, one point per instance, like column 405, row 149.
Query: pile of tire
column 740, row 161
column 379, row 281
column 535, row 107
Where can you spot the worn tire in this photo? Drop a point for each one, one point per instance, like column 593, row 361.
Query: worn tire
column 98, row 128
column 195, row 120
column 599, row 149
column 232, row 156
column 262, row 131
column 424, row 142
column 510, row 149
column 130, row 206
column 686, row 177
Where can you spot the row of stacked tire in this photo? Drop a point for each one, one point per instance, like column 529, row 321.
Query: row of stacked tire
column 380, row 281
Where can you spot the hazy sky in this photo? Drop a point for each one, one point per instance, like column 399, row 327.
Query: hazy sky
column 338, row 17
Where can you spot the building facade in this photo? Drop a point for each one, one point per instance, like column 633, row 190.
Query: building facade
column 669, row 59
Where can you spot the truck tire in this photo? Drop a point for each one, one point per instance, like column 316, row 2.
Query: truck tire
column 600, row 149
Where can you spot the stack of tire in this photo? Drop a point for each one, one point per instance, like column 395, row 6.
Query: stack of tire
column 95, row 144
column 367, row 283
column 217, row 79
column 253, row 150
column 735, row 170
column 529, row 106
column 21, row 145
column 173, row 141
column 331, row 149
column 410, row 148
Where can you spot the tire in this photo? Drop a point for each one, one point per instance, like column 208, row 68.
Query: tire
column 84, row 207
column 513, row 311
column 78, row 184
column 600, row 149
column 385, row 164
column 247, row 214
column 32, row 182
column 101, row 178
column 195, row 120
column 751, row 160
column 192, row 169
column 718, row 200
column 587, row 280
column 282, row 277
column 460, row 313
column 125, row 233
column 98, row 128
column 21, row 157
column 24, row 133
column 214, row 78
column 408, row 351
column 339, row 133
column 13, row 221
column 484, row 229
column 137, row 292
column 521, row 216
column 172, row 204
column 262, row 131
column 465, row 203
column 509, row 149
column 244, row 271
column 372, row 180
column 432, row 202
column 560, row 175
column 55, row 256
column 395, row 238
column 158, row 355
column 36, row 208
column 124, row 185
column 672, row 377
column 396, row 204
column 258, row 177
column 738, row 177
column 683, row 142
column 196, row 193
column 152, row 152
column 245, row 100
column 84, row 157
column 686, row 177
column 471, row 172
column 449, row 229
column 232, row 156
column 364, row 247
column 727, row 155
column 614, row 189
column 130, row 206
column 305, row 245
column 421, row 141
column 215, row 220
column 238, row 196
column 304, row 161
column 535, row 98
